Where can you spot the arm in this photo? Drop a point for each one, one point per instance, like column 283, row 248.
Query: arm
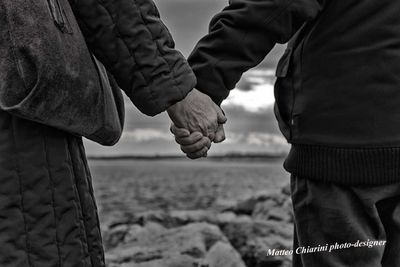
column 241, row 36
column 132, row 42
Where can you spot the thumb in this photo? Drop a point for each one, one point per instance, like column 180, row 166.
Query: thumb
column 211, row 136
column 221, row 116
column 179, row 132
column 220, row 134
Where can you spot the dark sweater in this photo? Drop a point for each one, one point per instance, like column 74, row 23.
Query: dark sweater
column 338, row 84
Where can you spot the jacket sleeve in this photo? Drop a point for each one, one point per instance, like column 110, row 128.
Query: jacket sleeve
column 241, row 36
column 134, row 45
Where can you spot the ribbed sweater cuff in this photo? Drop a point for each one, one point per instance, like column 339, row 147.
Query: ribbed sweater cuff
column 351, row 166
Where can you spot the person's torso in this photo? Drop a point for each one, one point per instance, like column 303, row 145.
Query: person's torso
column 342, row 85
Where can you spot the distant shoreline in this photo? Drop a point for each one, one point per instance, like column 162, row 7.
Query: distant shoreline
column 178, row 157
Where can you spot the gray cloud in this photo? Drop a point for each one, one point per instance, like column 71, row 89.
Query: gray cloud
column 242, row 121
column 246, row 132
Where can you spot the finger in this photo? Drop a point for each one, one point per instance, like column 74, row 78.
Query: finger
column 189, row 140
column 181, row 132
column 204, row 142
column 199, row 154
column 211, row 135
column 220, row 134
column 221, row 116
column 204, row 129
column 208, row 144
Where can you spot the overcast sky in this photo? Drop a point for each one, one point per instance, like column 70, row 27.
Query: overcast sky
column 251, row 126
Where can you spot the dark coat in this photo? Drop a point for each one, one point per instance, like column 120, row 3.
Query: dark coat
column 48, row 214
column 337, row 90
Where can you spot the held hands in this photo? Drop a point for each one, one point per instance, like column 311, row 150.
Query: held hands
column 197, row 121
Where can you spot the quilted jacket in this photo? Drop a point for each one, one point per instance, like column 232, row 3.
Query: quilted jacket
column 48, row 214
column 130, row 39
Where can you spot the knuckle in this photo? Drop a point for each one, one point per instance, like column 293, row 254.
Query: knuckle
column 178, row 140
column 184, row 149
column 207, row 143
column 202, row 152
column 197, row 146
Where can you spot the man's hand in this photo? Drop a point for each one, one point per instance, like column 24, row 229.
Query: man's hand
column 197, row 112
column 197, row 121
column 195, row 145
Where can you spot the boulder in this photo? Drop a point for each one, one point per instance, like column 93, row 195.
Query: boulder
column 192, row 240
column 115, row 236
column 255, row 252
column 253, row 238
column 223, row 255
column 246, row 205
column 182, row 217
column 237, row 233
column 125, row 233
column 171, row 261
column 273, row 210
column 136, row 232
column 286, row 190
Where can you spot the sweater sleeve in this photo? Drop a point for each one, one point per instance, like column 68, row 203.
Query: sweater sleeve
column 241, row 36
column 135, row 46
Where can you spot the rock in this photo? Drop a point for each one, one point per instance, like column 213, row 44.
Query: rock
column 252, row 239
column 272, row 210
column 115, row 235
column 246, row 205
column 137, row 232
column 279, row 214
column 176, row 218
column 125, row 233
column 262, row 209
column 193, row 240
column 256, row 252
column 116, row 219
column 182, row 217
column 286, row 190
column 288, row 207
column 224, row 204
column 223, row 255
column 158, row 216
column 173, row 261
column 225, row 217
column 212, row 217
column 235, row 233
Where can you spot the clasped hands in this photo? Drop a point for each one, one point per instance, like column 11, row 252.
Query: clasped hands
column 197, row 122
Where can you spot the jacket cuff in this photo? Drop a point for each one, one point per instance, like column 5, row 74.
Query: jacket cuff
column 208, row 82
column 210, row 79
column 164, row 92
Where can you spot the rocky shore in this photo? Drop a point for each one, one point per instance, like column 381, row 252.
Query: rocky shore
column 234, row 233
